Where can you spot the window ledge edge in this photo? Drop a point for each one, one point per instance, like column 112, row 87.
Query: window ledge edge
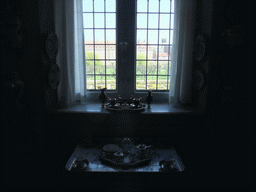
column 157, row 108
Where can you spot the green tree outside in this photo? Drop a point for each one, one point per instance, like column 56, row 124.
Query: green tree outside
column 111, row 68
column 99, row 66
column 141, row 65
column 140, row 70
column 151, row 70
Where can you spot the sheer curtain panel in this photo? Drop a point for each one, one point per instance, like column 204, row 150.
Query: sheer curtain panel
column 71, row 56
column 182, row 51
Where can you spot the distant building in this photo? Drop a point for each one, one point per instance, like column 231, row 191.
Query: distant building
column 111, row 50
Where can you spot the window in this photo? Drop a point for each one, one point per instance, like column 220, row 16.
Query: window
column 128, row 46
column 100, row 43
column 153, row 43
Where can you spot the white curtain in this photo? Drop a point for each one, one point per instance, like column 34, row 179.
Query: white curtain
column 71, row 56
column 182, row 51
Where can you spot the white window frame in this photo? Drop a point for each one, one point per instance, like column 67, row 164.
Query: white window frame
column 126, row 79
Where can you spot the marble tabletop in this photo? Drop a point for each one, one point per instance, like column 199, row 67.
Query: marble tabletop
column 96, row 165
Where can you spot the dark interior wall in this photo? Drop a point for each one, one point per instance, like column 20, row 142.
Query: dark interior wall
column 23, row 59
column 24, row 135
column 203, row 27
column 233, row 65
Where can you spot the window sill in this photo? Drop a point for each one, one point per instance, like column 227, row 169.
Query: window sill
column 157, row 108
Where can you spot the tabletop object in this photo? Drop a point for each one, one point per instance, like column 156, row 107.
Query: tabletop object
column 149, row 99
column 150, row 165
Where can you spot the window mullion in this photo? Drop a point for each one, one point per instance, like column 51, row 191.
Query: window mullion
column 147, row 48
column 169, row 52
column 94, row 48
column 105, row 42
column 158, row 46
